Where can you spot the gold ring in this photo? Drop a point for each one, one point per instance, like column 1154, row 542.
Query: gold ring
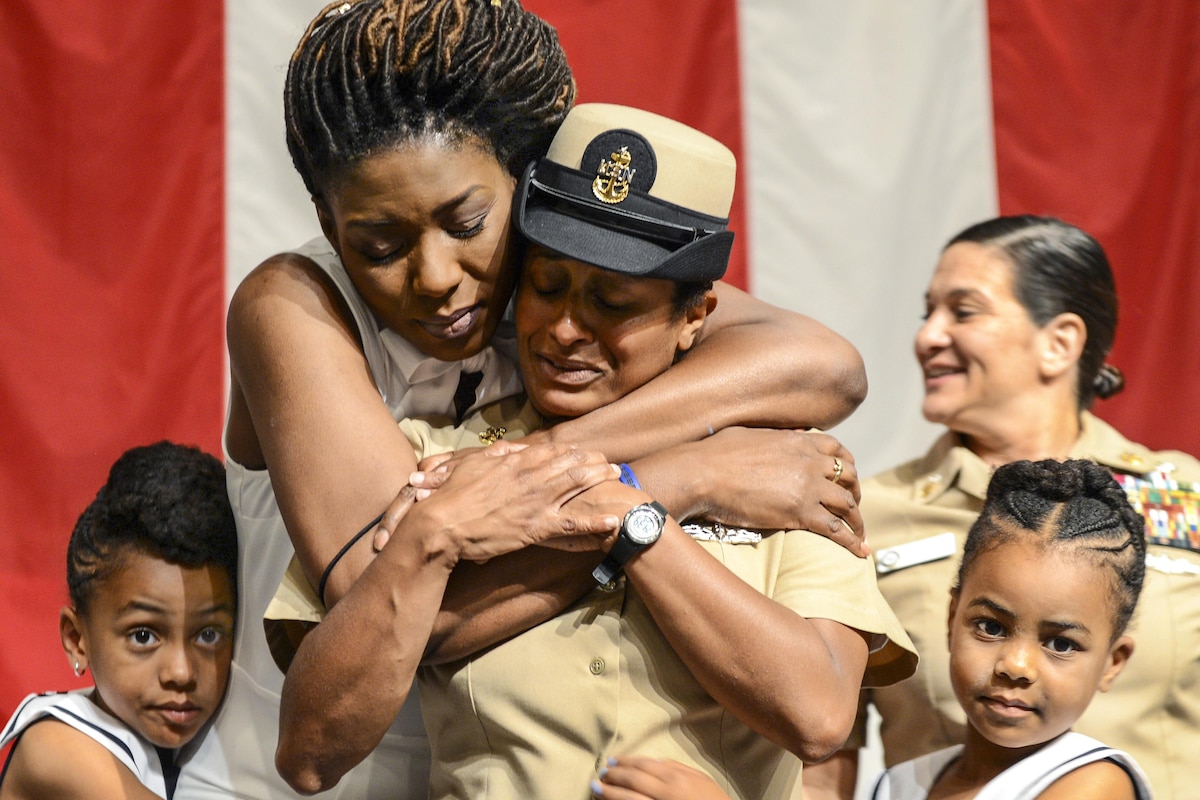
column 837, row 469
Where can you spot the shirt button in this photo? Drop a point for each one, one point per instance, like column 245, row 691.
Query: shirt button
column 597, row 666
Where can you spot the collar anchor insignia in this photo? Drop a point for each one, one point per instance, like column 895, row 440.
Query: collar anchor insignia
column 492, row 435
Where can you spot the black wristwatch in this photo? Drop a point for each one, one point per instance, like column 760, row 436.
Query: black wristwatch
column 642, row 526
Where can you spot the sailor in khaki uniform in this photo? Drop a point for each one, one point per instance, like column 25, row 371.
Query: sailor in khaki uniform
column 537, row 715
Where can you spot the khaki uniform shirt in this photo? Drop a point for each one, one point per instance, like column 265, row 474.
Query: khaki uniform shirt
column 536, row 716
column 917, row 516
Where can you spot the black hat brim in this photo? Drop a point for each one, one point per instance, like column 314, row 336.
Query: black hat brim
column 551, row 213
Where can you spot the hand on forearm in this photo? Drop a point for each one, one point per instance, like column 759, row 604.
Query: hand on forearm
column 762, row 479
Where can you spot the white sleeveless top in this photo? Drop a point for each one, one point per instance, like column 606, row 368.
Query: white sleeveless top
column 237, row 757
column 75, row 709
column 1025, row 780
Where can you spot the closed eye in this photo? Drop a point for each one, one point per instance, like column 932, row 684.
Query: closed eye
column 606, row 304
column 384, row 252
column 474, row 228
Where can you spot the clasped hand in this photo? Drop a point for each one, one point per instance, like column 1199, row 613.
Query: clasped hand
column 771, row 479
column 502, row 498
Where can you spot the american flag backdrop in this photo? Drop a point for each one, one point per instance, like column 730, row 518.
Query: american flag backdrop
column 143, row 172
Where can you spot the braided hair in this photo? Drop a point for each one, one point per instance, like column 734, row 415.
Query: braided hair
column 373, row 74
column 1072, row 503
column 164, row 500
column 1060, row 268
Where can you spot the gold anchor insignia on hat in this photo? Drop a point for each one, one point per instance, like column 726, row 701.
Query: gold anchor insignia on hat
column 613, row 177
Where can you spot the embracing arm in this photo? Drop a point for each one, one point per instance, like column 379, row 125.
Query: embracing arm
column 304, row 404
column 327, row 726
column 791, row 679
column 755, row 365
column 741, row 477
column 719, row 478
column 373, row 639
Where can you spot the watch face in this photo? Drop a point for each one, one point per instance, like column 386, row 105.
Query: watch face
column 643, row 525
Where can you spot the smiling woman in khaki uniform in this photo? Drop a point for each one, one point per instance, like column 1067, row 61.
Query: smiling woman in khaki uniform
column 1020, row 315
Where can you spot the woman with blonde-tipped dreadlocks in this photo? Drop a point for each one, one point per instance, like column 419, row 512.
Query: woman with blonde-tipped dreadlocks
column 409, row 123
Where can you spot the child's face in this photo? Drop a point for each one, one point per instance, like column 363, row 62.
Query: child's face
column 1031, row 634
column 158, row 639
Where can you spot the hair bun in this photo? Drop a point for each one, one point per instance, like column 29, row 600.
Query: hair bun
column 1108, row 381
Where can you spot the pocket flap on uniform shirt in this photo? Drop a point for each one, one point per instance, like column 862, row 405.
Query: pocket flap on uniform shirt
column 909, row 554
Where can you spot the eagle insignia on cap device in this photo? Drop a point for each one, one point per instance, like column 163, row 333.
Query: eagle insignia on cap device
column 633, row 192
column 613, row 177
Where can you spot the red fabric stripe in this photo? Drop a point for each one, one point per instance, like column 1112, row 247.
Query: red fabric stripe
column 651, row 56
column 1098, row 122
column 111, row 192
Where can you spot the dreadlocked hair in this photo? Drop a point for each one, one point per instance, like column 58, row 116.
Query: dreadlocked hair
column 374, row 74
column 1073, row 503
column 164, row 500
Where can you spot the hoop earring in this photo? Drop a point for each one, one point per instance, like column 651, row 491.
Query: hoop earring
column 79, row 670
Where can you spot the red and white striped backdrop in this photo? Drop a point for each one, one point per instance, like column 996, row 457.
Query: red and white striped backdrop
column 143, row 171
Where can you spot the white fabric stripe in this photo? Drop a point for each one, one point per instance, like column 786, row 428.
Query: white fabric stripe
column 267, row 208
column 869, row 143
column 868, row 131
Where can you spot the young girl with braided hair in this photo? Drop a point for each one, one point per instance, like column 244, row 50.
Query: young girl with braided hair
column 1049, row 579
column 410, row 122
column 151, row 568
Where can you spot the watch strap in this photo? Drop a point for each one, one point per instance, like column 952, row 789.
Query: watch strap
column 607, row 570
column 622, row 550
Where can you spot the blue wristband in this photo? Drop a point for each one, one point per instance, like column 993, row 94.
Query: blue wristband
column 628, row 478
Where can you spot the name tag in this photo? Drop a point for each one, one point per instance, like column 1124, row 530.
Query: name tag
column 716, row 532
column 910, row 554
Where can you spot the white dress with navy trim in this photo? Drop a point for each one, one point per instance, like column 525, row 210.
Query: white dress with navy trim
column 1025, row 780
column 75, row 709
